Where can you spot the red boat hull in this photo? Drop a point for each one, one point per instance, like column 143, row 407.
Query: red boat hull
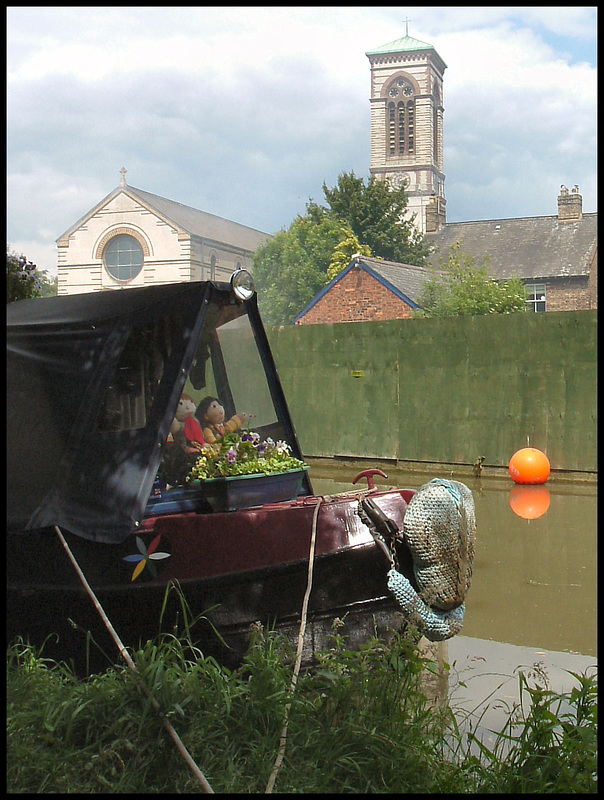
column 234, row 569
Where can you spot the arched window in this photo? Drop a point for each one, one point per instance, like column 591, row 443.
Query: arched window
column 212, row 267
column 123, row 257
column 401, row 118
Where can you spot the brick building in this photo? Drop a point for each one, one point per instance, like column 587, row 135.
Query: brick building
column 555, row 257
column 369, row 289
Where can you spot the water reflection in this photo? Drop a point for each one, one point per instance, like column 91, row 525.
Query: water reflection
column 529, row 502
column 534, row 581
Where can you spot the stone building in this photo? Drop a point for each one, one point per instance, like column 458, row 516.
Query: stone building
column 369, row 289
column 407, row 125
column 135, row 238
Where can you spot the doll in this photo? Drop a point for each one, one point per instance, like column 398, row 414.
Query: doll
column 214, row 427
column 185, row 428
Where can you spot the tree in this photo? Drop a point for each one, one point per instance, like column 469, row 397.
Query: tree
column 291, row 268
column 23, row 281
column 466, row 289
column 375, row 214
column 297, row 263
column 344, row 251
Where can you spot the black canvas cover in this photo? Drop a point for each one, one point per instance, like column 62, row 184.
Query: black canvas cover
column 73, row 363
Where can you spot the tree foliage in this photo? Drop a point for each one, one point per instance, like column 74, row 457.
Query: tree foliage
column 464, row 288
column 24, row 281
column 344, row 251
column 374, row 212
column 293, row 267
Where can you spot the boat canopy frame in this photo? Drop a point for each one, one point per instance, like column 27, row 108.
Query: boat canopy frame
column 93, row 383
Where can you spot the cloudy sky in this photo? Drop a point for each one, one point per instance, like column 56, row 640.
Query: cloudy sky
column 245, row 111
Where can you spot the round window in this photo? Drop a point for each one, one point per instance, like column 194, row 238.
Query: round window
column 123, row 258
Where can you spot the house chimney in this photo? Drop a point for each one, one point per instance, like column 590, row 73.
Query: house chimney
column 570, row 205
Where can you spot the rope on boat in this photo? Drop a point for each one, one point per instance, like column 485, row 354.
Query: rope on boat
column 132, row 666
column 283, row 739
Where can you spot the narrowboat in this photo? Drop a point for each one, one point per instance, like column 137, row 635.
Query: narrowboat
column 96, row 466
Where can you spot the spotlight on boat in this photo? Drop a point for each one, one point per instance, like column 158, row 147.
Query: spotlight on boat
column 242, row 284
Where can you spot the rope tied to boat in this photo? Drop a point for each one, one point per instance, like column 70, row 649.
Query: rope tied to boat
column 439, row 530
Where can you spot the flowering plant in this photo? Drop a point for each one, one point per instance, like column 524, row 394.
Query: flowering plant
column 243, row 454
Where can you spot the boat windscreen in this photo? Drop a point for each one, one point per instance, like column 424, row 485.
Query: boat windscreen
column 227, row 367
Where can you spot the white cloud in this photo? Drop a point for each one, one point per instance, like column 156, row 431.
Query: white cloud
column 246, row 111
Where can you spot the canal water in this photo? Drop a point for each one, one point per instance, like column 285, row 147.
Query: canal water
column 532, row 603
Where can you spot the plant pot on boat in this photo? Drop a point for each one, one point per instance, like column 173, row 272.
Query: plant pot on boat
column 241, row 470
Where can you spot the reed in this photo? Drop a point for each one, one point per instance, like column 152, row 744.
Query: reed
column 359, row 722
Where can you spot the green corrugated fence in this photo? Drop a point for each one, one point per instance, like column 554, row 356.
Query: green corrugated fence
column 445, row 390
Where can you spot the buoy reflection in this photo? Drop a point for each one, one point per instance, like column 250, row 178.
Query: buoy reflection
column 529, row 502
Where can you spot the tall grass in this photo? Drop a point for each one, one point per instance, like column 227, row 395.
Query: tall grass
column 359, row 722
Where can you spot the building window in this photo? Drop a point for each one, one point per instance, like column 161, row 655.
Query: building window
column 535, row 296
column 212, row 267
column 123, row 257
column 401, row 118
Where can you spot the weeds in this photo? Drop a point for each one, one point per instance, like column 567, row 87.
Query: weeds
column 359, row 722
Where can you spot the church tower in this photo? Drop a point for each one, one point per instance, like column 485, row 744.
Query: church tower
column 407, row 125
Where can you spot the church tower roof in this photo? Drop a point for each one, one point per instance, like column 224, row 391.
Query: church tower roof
column 400, row 46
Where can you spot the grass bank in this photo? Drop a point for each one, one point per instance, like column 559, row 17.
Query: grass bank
column 359, row 722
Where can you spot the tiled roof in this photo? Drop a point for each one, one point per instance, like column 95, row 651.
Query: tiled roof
column 201, row 223
column 185, row 218
column 525, row 247
column 406, row 278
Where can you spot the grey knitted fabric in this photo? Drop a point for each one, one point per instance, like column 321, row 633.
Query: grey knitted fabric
column 440, row 529
column 433, row 624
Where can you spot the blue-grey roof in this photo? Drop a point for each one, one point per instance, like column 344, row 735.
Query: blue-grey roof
column 201, row 223
column 404, row 280
column 407, row 279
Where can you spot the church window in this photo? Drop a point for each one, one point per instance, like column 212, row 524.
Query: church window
column 401, row 118
column 401, row 128
column 392, row 131
column 123, row 257
column 410, row 115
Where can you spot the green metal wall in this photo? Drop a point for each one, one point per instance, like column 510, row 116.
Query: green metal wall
column 445, row 390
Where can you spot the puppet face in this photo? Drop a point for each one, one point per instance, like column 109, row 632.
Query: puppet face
column 215, row 413
column 186, row 408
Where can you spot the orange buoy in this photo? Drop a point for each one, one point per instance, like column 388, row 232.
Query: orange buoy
column 529, row 465
column 529, row 502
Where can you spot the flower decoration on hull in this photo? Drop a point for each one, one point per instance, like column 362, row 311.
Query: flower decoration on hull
column 145, row 557
column 243, row 454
